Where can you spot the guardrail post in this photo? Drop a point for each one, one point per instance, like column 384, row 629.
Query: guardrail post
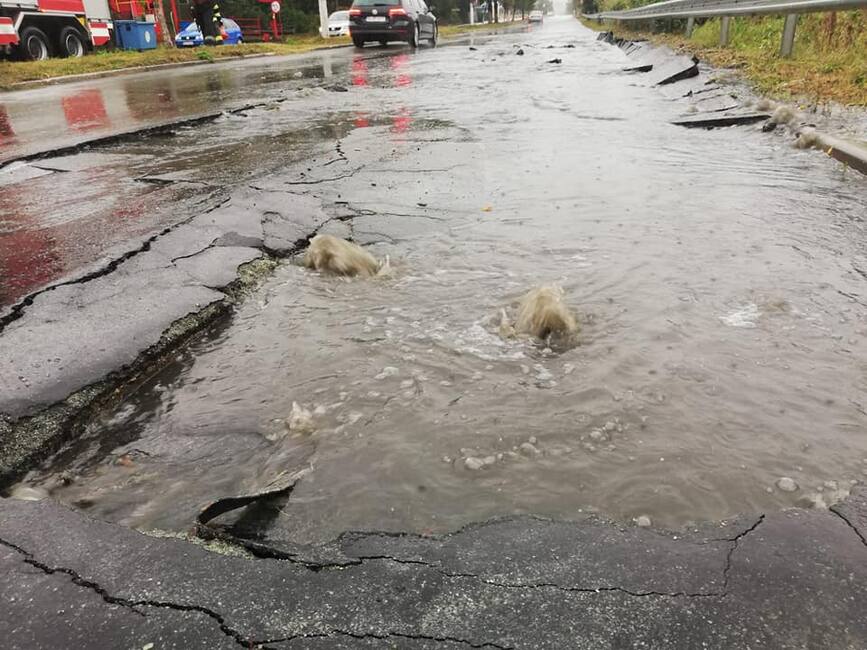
column 788, row 35
column 724, row 26
column 690, row 25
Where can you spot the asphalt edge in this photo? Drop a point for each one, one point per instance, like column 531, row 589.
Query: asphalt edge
column 85, row 76
column 28, row 440
column 851, row 153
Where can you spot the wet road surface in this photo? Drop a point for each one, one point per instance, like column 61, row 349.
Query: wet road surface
column 68, row 216
column 718, row 277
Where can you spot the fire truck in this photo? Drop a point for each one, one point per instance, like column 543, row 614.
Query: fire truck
column 38, row 29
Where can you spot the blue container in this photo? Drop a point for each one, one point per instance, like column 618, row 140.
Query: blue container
column 135, row 35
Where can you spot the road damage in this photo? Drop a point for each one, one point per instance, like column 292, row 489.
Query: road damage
column 438, row 190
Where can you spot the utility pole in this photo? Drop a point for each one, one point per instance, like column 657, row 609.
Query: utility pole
column 323, row 18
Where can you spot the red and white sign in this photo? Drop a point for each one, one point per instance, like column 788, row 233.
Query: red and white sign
column 275, row 7
column 7, row 32
column 99, row 33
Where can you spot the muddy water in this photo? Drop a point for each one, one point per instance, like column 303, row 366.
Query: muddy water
column 718, row 278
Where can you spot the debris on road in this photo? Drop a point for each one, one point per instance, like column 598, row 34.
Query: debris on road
column 715, row 120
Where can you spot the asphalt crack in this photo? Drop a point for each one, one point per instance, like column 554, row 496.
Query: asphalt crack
column 135, row 605
column 330, row 179
column 265, row 552
column 341, row 155
column 166, row 182
column 198, row 252
column 735, row 541
column 849, row 523
column 132, row 605
column 17, row 310
column 538, row 585
column 388, row 635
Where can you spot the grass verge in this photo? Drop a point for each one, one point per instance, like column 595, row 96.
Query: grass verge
column 15, row 72
column 829, row 62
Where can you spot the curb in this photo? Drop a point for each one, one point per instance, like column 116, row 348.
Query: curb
column 853, row 154
column 50, row 81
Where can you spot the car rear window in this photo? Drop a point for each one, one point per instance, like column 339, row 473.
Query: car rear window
column 371, row 3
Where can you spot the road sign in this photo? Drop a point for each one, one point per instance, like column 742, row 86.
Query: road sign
column 275, row 7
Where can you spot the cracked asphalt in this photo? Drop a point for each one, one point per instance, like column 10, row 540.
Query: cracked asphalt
column 792, row 579
column 157, row 206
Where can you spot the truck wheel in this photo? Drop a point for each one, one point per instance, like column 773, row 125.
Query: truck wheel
column 72, row 43
column 33, row 44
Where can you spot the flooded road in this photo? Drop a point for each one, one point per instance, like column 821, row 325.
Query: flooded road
column 718, row 278
column 122, row 193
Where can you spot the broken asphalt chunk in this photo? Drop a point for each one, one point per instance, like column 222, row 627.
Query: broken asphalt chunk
column 727, row 119
column 670, row 71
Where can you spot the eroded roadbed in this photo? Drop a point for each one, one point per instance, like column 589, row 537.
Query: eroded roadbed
column 784, row 580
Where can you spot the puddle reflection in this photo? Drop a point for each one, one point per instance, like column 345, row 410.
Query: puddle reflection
column 402, row 120
column 359, row 71
column 28, row 259
column 85, row 111
column 399, row 65
column 7, row 135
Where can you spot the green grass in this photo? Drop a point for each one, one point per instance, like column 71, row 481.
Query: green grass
column 829, row 62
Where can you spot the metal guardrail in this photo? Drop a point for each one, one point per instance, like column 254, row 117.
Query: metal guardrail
column 692, row 9
column 710, row 8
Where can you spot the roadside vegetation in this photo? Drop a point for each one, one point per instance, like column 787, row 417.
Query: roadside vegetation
column 829, row 62
column 15, row 72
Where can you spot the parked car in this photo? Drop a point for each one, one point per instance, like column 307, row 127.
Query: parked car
column 338, row 23
column 536, row 16
column 392, row 20
column 191, row 35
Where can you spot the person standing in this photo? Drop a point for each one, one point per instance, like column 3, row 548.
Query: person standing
column 210, row 21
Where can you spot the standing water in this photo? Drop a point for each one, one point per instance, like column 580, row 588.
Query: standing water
column 717, row 278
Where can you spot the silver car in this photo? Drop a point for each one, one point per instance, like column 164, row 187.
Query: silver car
column 338, row 23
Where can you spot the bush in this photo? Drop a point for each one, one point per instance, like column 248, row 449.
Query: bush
column 295, row 21
column 295, row 17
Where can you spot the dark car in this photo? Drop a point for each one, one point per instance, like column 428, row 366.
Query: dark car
column 392, row 20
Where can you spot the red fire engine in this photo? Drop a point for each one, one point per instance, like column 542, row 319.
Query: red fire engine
column 38, row 29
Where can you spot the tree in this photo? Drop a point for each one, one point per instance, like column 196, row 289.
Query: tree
column 165, row 35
